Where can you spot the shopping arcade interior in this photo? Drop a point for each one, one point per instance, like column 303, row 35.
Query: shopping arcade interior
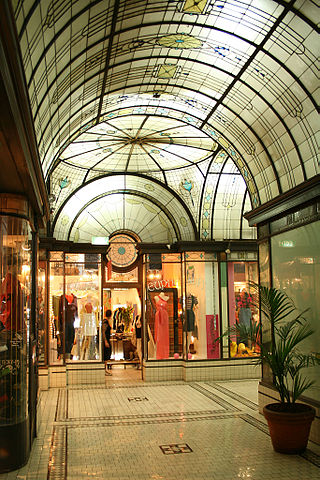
column 256, row 118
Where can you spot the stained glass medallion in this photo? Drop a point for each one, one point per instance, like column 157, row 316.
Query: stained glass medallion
column 122, row 250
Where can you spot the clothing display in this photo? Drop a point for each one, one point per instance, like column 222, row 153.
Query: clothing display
column 68, row 303
column 118, row 324
column 162, row 327
column 191, row 301
column 11, row 303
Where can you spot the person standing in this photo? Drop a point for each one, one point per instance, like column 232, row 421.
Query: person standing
column 106, row 334
column 138, row 335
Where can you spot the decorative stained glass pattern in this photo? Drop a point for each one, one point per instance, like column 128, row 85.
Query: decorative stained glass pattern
column 184, row 96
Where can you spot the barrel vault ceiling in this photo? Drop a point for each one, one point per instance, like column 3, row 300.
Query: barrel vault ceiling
column 170, row 119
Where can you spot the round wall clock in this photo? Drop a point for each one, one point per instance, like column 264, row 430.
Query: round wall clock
column 122, row 250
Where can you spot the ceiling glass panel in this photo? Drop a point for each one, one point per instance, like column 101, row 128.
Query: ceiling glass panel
column 183, row 96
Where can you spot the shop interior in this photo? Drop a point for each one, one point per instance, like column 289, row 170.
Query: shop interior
column 74, row 310
column 125, row 305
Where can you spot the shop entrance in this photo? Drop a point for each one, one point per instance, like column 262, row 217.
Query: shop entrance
column 125, row 305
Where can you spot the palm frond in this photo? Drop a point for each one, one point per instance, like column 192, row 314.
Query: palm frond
column 289, row 328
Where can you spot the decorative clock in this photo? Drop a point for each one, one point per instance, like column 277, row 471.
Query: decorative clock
column 122, row 251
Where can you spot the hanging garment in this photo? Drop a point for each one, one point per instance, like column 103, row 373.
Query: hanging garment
column 11, row 303
column 161, row 329
column 70, row 303
column 190, row 303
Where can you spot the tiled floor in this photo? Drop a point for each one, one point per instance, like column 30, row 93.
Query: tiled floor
column 128, row 429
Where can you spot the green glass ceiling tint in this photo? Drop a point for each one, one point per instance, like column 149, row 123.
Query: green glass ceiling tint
column 212, row 104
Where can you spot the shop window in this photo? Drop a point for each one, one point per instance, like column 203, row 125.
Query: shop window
column 125, row 305
column 74, row 308
column 40, row 306
column 296, row 271
column 15, row 261
column 241, row 309
column 163, row 307
column 201, row 309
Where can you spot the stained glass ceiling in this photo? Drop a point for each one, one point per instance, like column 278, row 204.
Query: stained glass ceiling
column 200, row 110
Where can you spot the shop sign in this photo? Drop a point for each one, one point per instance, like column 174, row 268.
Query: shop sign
column 286, row 243
column 160, row 285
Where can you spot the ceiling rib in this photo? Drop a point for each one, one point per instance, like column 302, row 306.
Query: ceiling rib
column 249, row 61
column 108, row 57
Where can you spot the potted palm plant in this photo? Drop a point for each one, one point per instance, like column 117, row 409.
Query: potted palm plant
column 289, row 421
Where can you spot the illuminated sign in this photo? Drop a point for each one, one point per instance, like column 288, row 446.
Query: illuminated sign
column 99, row 240
column 286, row 243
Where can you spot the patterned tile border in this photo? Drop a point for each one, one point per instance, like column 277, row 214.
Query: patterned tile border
column 57, row 466
column 207, row 393
column 145, row 418
column 129, row 385
column 234, row 396
column 256, row 423
column 58, row 450
column 62, row 405
column 154, row 421
column 311, row 457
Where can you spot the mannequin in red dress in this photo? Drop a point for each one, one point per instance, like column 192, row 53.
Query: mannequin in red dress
column 162, row 326
column 11, row 303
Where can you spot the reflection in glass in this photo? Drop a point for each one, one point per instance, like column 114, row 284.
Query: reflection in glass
column 74, row 306
column 242, row 314
column 15, row 260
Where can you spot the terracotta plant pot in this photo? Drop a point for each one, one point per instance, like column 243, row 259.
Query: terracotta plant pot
column 289, row 429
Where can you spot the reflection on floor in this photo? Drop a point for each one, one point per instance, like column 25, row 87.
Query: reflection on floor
column 128, row 429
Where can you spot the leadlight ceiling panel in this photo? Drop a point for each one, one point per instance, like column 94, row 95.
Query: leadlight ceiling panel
column 139, row 143
column 116, row 212
column 254, row 62
column 142, row 192
column 187, row 183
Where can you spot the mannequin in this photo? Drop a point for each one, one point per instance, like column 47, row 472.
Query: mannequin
column 88, row 330
column 191, row 302
column 161, row 326
column 68, row 303
column 11, row 304
column 191, row 326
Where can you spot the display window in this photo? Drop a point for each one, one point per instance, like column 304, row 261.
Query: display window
column 241, row 310
column 296, row 271
column 126, row 324
column 74, row 307
column 201, row 324
column 15, row 261
column 40, row 306
column 164, row 319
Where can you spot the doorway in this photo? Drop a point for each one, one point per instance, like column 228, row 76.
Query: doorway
column 126, row 356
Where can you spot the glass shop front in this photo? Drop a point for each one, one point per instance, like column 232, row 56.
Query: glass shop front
column 191, row 299
column 183, row 301
column 82, row 288
column 17, row 334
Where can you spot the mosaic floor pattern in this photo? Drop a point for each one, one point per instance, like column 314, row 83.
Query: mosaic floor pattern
column 168, row 431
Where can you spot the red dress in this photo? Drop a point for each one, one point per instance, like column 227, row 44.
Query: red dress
column 162, row 329
column 11, row 303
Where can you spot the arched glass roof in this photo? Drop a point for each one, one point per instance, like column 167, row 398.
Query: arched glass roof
column 212, row 103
